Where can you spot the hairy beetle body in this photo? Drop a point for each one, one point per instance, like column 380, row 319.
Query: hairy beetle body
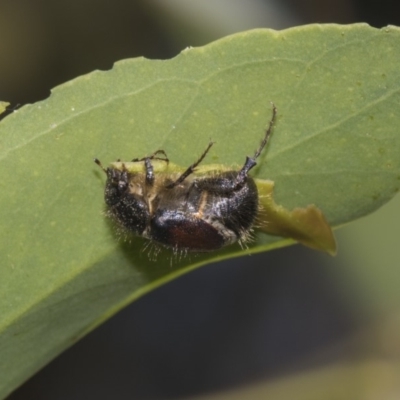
column 185, row 211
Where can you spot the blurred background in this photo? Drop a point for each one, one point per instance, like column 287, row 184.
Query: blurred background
column 288, row 324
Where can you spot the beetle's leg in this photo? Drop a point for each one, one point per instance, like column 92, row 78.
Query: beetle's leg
column 191, row 169
column 149, row 166
column 267, row 133
column 153, row 157
column 251, row 162
column 149, row 171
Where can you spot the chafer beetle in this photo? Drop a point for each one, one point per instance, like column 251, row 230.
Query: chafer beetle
column 185, row 212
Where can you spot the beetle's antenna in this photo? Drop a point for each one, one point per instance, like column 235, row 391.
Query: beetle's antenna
column 267, row 133
column 97, row 161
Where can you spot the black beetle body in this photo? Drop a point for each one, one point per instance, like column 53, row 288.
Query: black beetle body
column 185, row 212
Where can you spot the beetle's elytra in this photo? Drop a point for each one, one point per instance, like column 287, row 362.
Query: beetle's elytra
column 185, row 212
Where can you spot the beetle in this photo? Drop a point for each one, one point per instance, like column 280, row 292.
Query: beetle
column 185, row 212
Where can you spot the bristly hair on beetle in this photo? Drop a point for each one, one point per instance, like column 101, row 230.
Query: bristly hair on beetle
column 185, row 212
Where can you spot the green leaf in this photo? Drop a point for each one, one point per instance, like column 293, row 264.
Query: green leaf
column 335, row 145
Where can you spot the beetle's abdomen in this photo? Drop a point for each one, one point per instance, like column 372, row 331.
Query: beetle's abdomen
column 178, row 230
